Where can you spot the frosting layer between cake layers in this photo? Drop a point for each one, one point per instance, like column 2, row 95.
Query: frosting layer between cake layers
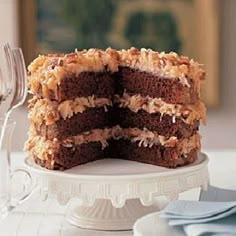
column 141, row 105
column 50, row 150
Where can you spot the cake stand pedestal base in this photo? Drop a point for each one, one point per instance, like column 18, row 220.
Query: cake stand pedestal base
column 114, row 193
column 103, row 216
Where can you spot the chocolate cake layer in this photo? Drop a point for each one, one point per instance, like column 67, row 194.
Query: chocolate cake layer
column 163, row 124
column 100, row 84
column 90, row 119
column 68, row 157
column 159, row 155
column 146, row 84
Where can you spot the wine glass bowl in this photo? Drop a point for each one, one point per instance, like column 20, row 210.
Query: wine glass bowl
column 13, row 91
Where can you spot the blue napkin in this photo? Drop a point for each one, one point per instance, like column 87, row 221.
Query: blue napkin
column 224, row 226
column 204, row 218
column 188, row 212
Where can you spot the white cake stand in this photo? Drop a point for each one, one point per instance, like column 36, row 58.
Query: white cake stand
column 114, row 193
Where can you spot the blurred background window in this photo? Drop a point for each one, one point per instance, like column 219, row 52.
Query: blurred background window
column 188, row 27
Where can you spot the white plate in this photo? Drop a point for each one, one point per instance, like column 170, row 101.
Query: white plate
column 153, row 225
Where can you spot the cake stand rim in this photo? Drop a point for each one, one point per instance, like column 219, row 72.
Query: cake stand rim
column 36, row 169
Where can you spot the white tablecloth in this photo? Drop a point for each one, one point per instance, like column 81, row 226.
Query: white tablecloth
column 35, row 217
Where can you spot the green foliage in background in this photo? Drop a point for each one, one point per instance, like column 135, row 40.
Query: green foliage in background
column 64, row 25
column 153, row 30
column 91, row 19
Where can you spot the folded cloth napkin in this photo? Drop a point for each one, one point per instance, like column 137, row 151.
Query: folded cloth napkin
column 224, row 226
column 202, row 218
column 188, row 212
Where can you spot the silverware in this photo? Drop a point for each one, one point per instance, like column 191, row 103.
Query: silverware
column 3, row 90
column 14, row 87
column 7, row 81
column 21, row 78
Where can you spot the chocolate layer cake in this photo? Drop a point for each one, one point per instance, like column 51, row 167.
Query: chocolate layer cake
column 138, row 105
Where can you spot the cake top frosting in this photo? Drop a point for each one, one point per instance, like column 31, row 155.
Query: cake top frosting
column 164, row 64
column 77, row 62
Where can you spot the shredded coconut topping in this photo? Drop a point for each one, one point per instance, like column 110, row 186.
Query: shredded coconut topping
column 50, row 111
column 44, row 149
column 163, row 64
column 188, row 113
column 41, row 147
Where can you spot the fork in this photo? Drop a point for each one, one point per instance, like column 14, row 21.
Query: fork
column 7, row 84
column 3, row 89
column 21, row 78
column 16, row 84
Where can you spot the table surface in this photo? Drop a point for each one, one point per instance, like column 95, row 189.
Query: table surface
column 47, row 218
